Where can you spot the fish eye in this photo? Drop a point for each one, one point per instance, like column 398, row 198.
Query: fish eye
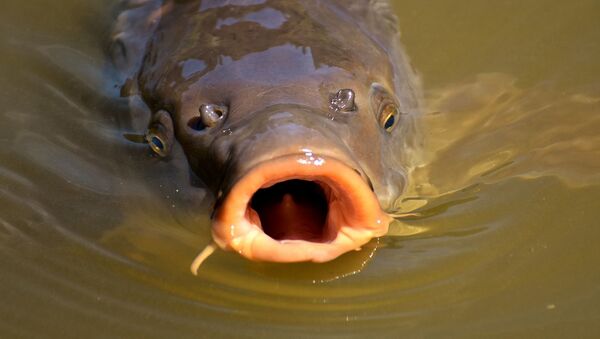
column 385, row 107
column 159, row 135
column 157, row 143
column 388, row 117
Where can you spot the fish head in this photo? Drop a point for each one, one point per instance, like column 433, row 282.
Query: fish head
column 300, row 138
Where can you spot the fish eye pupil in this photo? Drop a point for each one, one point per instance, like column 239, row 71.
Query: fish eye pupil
column 388, row 117
column 389, row 122
column 157, row 143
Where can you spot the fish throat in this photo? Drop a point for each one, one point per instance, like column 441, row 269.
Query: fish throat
column 294, row 209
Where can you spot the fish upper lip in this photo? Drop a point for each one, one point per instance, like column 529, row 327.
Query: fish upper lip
column 341, row 154
column 223, row 190
column 354, row 215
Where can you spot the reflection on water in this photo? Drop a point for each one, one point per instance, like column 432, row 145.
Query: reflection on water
column 498, row 234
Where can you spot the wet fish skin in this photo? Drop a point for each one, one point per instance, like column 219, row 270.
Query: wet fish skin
column 274, row 66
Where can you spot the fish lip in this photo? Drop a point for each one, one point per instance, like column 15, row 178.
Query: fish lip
column 355, row 216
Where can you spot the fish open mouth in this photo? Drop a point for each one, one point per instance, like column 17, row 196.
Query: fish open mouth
column 298, row 208
column 294, row 209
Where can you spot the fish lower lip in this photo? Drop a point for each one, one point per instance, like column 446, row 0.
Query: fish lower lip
column 297, row 208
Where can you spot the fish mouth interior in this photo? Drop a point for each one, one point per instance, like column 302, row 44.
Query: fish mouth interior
column 294, row 209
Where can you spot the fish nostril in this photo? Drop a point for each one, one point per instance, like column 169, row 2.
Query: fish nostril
column 342, row 101
column 210, row 116
column 196, row 124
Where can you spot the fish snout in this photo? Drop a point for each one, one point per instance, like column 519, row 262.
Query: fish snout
column 294, row 193
column 287, row 129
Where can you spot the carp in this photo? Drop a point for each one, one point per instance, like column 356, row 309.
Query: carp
column 300, row 116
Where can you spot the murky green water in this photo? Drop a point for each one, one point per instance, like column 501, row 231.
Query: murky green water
column 500, row 237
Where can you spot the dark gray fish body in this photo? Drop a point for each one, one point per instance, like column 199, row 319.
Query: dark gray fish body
column 299, row 115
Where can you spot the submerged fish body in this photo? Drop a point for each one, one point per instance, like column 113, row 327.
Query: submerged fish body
column 298, row 115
